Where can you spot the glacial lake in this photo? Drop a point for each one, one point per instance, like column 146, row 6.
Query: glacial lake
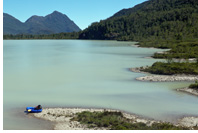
column 79, row 73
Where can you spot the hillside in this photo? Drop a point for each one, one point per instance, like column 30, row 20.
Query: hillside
column 53, row 23
column 151, row 20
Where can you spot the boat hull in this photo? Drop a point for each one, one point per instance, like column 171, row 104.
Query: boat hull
column 33, row 110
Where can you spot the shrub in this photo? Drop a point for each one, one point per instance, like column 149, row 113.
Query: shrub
column 116, row 121
column 173, row 68
column 194, row 86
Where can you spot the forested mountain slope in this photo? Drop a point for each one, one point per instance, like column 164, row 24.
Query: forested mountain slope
column 153, row 19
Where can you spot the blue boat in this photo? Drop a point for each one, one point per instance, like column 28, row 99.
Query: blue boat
column 36, row 109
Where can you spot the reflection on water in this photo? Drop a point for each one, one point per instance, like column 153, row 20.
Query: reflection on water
column 75, row 73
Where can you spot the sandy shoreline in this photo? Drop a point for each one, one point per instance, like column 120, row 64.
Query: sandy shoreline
column 62, row 118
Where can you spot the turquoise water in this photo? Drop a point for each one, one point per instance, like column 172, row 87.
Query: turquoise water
column 76, row 73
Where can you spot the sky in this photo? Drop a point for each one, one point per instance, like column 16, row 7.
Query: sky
column 82, row 12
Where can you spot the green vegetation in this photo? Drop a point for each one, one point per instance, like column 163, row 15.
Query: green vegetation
column 116, row 121
column 167, row 24
column 153, row 23
column 172, row 68
column 73, row 35
column 166, row 20
column 194, row 86
column 182, row 50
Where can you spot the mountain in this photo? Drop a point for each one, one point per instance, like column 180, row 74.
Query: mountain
column 153, row 19
column 61, row 21
column 53, row 23
column 12, row 25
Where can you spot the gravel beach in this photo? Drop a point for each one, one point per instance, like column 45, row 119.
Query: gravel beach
column 168, row 78
column 188, row 90
column 62, row 118
column 189, row 122
column 163, row 78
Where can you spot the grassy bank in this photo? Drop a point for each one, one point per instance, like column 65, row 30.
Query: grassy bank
column 163, row 68
column 179, row 49
column 182, row 50
column 116, row 121
column 194, row 86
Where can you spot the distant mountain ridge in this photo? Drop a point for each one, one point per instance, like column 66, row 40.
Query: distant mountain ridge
column 53, row 23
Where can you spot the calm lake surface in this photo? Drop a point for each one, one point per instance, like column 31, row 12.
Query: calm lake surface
column 76, row 73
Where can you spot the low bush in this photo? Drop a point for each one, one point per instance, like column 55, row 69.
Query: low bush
column 194, row 86
column 116, row 121
column 172, row 68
